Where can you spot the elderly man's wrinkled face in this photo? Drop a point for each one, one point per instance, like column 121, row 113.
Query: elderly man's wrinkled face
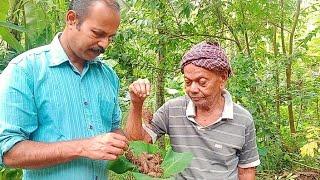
column 202, row 85
column 89, row 39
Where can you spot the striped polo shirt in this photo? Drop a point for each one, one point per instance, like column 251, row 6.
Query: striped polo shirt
column 218, row 148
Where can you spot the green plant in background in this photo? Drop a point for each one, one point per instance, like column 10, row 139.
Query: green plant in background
column 172, row 164
column 312, row 148
column 10, row 174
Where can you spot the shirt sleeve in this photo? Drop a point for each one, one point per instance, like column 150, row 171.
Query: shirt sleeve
column 249, row 156
column 18, row 115
column 159, row 124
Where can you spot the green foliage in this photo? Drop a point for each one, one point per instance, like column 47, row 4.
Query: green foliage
column 138, row 147
column 172, row 164
column 121, row 165
column 10, row 174
column 312, row 148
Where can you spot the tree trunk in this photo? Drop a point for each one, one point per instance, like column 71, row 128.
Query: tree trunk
column 289, row 69
column 275, row 50
column 160, row 74
column 224, row 21
column 245, row 31
column 318, row 115
column 283, row 44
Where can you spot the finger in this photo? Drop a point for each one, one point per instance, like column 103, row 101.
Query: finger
column 114, row 150
column 120, row 137
column 132, row 89
column 110, row 157
column 123, row 143
column 137, row 88
column 148, row 86
column 142, row 85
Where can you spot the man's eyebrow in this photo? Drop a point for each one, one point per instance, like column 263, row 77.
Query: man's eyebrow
column 101, row 31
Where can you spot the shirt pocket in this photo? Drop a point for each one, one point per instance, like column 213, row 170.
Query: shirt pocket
column 107, row 106
column 223, row 154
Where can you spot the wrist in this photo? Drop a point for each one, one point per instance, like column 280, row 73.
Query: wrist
column 136, row 105
column 76, row 148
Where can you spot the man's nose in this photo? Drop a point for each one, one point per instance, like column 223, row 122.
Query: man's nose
column 104, row 43
column 194, row 87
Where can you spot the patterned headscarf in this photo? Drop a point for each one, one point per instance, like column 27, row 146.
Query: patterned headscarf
column 207, row 55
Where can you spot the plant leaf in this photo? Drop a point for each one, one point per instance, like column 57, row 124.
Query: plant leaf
column 138, row 147
column 13, row 26
column 121, row 165
column 4, row 7
column 175, row 162
column 10, row 39
column 140, row 176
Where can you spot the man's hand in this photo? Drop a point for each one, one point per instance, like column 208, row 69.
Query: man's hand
column 139, row 91
column 32, row 155
column 105, row 147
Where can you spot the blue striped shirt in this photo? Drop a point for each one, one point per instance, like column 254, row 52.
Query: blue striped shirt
column 44, row 98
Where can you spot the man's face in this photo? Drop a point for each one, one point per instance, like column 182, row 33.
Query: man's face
column 202, row 86
column 89, row 39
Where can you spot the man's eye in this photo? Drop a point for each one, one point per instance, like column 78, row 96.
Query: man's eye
column 202, row 83
column 188, row 83
column 97, row 34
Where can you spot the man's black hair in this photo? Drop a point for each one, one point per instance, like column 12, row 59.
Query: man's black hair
column 81, row 7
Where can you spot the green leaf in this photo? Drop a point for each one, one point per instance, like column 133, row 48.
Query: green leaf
column 13, row 26
column 121, row 165
column 175, row 162
column 36, row 23
column 138, row 147
column 140, row 176
column 263, row 151
column 4, row 7
column 10, row 39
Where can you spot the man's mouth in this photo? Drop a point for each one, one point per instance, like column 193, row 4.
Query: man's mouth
column 196, row 98
column 98, row 50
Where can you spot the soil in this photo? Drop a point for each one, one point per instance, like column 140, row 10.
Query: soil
column 149, row 164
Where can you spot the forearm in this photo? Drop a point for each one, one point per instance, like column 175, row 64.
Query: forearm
column 134, row 129
column 247, row 173
column 33, row 155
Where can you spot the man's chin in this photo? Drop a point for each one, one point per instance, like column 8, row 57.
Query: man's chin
column 201, row 104
column 92, row 57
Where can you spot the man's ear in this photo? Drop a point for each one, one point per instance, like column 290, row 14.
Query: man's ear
column 71, row 18
column 224, row 77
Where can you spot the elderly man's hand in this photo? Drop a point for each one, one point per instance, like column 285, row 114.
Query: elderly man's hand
column 139, row 91
column 105, row 147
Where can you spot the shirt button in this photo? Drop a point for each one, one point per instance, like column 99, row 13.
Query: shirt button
column 86, row 103
column 90, row 127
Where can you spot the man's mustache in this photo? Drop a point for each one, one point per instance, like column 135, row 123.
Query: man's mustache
column 98, row 49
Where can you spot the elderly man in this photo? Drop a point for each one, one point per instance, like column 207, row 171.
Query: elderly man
column 58, row 103
column 205, row 122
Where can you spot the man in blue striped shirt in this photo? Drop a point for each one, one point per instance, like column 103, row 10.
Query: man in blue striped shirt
column 59, row 110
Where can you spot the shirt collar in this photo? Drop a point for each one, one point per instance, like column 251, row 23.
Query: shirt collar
column 227, row 112
column 59, row 56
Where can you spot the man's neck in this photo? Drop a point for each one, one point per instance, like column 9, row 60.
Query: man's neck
column 211, row 113
column 74, row 59
column 216, row 104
